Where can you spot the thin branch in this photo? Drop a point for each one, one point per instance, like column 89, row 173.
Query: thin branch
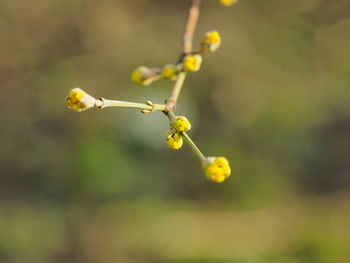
column 186, row 49
column 193, row 146
column 172, row 100
column 191, row 26
column 146, row 108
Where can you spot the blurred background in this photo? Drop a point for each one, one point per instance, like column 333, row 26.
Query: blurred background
column 102, row 186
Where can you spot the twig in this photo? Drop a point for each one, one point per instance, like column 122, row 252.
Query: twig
column 186, row 49
column 191, row 26
column 171, row 101
column 193, row 146
column 146, row 108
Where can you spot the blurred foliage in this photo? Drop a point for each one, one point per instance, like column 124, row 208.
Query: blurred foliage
column 102, row 186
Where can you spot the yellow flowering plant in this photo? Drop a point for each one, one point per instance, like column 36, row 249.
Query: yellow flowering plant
column 217, row 169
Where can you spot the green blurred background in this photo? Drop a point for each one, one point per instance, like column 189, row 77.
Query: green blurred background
column 102, row 186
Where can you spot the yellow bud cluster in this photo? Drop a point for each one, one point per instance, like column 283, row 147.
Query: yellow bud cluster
column 144, row 75
column 170, row 72
column 211, row 41
column 181, row 124
column 228, row 2
column 217, row 169
column 192, row 63
column 79, row 100
column 137, row 75
column 174, row 139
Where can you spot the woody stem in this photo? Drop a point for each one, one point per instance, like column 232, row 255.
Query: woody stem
column 190, row 28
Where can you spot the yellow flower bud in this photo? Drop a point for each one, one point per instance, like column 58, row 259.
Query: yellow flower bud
column 174, row 139
column 192, row 62
column 169, row 72
column 217, row 169
column 211, row 41
column 79, row 100
column 144, row 75
column 228, row 2
column 181, row 124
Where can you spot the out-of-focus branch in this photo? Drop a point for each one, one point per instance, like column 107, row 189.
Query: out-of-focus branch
column 186, row 49
column 191, row 26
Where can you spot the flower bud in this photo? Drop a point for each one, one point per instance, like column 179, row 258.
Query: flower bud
column 192, row 62
column 228, row 2
column 181, row 124
column 174, row 139
column 169, row 72
column 217, row 169
column 79, row 100
column 211, row 41
column 144, row 75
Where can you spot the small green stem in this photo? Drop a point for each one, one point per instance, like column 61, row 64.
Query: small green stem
column 171, row 116
column 103, row 103
column 193, row 146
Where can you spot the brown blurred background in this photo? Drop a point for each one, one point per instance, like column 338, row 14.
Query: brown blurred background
column 102, row 186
